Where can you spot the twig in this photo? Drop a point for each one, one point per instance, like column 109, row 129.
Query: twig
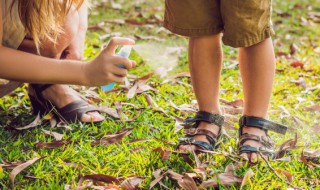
column 275, row 172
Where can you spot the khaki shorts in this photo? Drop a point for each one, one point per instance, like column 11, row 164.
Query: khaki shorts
column 243, row 22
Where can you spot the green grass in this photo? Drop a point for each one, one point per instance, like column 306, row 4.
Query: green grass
column 118, row 160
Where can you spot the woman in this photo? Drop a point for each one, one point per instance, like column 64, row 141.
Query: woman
column 42, row 43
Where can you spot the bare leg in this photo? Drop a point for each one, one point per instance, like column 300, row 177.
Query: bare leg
column 257, row 66
column 205, row 60
column 60, row 95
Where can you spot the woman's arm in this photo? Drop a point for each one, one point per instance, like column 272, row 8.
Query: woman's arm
column 19, row 66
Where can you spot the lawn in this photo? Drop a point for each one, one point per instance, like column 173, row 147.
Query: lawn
column 135, row 147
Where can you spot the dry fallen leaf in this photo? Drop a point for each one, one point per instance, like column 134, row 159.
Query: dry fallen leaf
column 297, row 64
column 110, row 111
column 55, row 144
column 102, row 178
column 158, row 178
column 187, row 183
column 165, row 154
column 56, row 135
column 312, row 108
column 110, row 139
column 288, row 175
column 20, row 168
column 246, row 178
column 33, row 124
column 131, row 183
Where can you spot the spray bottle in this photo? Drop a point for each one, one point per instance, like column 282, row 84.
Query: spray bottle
column 124, row 52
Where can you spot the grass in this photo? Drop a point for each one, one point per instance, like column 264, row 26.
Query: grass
column 119, row 160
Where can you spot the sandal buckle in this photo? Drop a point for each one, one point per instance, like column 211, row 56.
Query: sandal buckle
column 192, row 131
column 187, row 140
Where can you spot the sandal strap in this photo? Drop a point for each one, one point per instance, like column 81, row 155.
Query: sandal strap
column 262, row 124
column 39, row 88
column 190, row 141
column 75, row 110
column 250, row 149
column 247, row 149
column 264, row 140
column 216, row 119
column 196, row 131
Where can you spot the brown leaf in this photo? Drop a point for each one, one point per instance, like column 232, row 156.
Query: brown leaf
column 304, row 160
column 235, row 103
column 232, row 110
column 301, row 82
column 288, row 175
column 229, row 179
column 158, row 178
column 64, row 125
column 145, row 78
column 316, row 128
column 110, row 139
column 184, row 74
column 165, row 141
column 178, row 124
column 55, row 144
column 116, row 21
column 102, row 178
column 184, row 108
column 150, row 101
column 312, row 153
column 56, row 135
column 131, row 183
column 293, row 49
column 246, row 178
column 110, row 111
column 312, row 108
column 286, row 146
column 53, row 123
column 165, row 154
column 11, row 165
column 33, row 124
column 187, row 183
column 297, row 64
column 132, row 91
column 20, row 168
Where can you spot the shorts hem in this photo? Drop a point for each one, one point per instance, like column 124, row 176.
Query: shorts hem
column 192, row 32
column 267, row 33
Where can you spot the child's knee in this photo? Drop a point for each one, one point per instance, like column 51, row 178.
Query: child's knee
column 207, row 40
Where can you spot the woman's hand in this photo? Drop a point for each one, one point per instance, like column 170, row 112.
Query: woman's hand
column 103, row 69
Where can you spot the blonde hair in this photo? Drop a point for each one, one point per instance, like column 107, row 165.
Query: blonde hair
column 42, row 19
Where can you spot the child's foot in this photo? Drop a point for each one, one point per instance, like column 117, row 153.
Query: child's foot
column 254, row 139
column 202, row 132
column 253, row 157
column 203, row 125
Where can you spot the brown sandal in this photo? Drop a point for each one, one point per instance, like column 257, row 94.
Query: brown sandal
column 71, row 113
column 191, row 129
column 267, row 144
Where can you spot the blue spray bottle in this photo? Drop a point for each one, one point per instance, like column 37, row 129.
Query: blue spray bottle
column 124, row 52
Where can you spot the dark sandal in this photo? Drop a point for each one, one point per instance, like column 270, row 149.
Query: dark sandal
column 191, row 129
column 71, row 113
column 267, row 144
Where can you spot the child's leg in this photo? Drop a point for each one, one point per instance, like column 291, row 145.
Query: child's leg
column 257, row 66
column 205, row 60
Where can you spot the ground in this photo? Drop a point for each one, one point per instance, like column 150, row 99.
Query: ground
column 154, row 107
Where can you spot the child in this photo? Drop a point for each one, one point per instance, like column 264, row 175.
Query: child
column 246, row 25
column 55, row 30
